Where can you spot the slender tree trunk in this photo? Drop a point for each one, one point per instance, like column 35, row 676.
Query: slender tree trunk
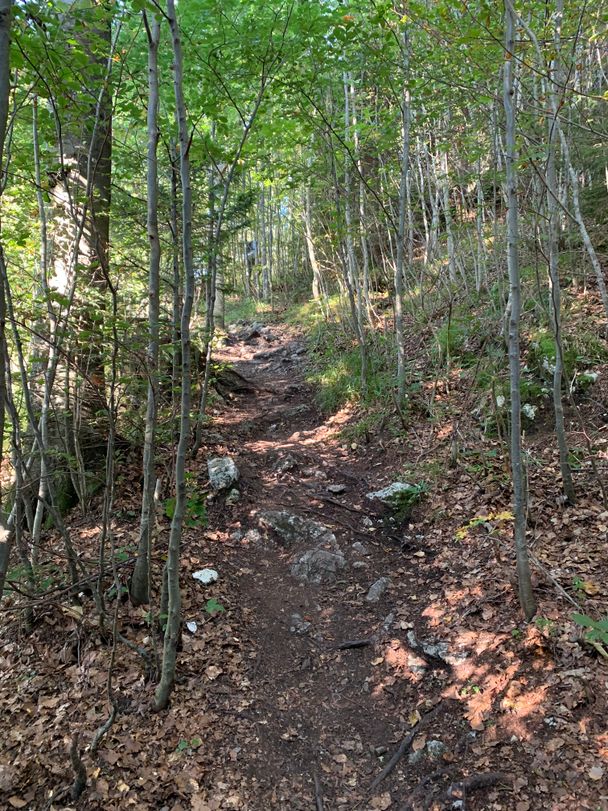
column 526, row 596
column 353, row 286
column 6, row 537
column 403, row 185
column 172, row 629
column 553, row 260
column 140, row 582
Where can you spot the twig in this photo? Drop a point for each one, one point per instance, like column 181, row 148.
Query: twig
column 355, row 643
column 318, row 792
column 80, row 772
column 102, row 731
column 402, row 748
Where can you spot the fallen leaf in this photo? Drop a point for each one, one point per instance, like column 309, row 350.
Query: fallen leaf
column 419, row 743
column 213, row 672
column 382, row 801
column 17, row 802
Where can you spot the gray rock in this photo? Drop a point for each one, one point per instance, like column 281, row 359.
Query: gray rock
column 377, row 589
column 298, row 625
column 388, row 622
column 253, row 536
column 285, row 464
column 233, row 496
column 293, row 529
column 223, row 472
column 437, row 650
column 317, row 566
column 435, row 748
column 360, row 548
column 395, row 493
column 367, row 521
column 360, row 564
column 336, row 488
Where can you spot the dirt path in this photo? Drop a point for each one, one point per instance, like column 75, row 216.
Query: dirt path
column 274, row 712
column 316, row 724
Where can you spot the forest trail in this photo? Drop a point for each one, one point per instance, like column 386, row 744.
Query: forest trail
column 311, row 725
column 275, row 712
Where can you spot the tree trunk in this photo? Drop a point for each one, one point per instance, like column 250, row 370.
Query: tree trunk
column 172, row 629
column 6, row 537
column 526, row 596
column 403, row 186
column 553, row 261
column 140, row 582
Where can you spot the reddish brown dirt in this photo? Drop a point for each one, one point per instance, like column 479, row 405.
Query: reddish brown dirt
column 262, row 718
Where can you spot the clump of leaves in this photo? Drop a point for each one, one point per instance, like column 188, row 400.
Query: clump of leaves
column 213, row 607
column 190, row 745
column 598, row 629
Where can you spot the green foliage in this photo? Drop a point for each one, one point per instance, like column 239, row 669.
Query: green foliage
column 196, row 505
column 189, row 745
column 404, row 502
column 213, row 607
column 598, row 629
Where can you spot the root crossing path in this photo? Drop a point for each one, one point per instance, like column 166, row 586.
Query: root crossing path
column 308, row 691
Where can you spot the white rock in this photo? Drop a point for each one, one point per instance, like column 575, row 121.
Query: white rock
column 192, row 626
column 223, row 472
column 392, row 494
column 206, row 576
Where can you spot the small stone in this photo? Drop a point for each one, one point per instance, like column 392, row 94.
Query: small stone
column 252, row 536
column 223, row 472
column 367, row 521
column 388, row 622
column 437, row 650
column 377, row 589
column 336, row 488
column 206, row 576
column 360, row 564
column 285, row 463
column 435, row 748
column 233, row 497
column 360, row 548
column 298, row 625
column 415, row 757
column 380, row 750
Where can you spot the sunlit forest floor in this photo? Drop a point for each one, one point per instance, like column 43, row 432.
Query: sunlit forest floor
column 435, row 696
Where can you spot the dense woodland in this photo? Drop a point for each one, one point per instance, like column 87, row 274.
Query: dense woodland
column 417, row 190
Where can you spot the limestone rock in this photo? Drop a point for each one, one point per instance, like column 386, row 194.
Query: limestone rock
column 223, row 472
column 293, row 529
column 377, row 589
column 233, row 496
column 318, row 566
column 395, row 494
